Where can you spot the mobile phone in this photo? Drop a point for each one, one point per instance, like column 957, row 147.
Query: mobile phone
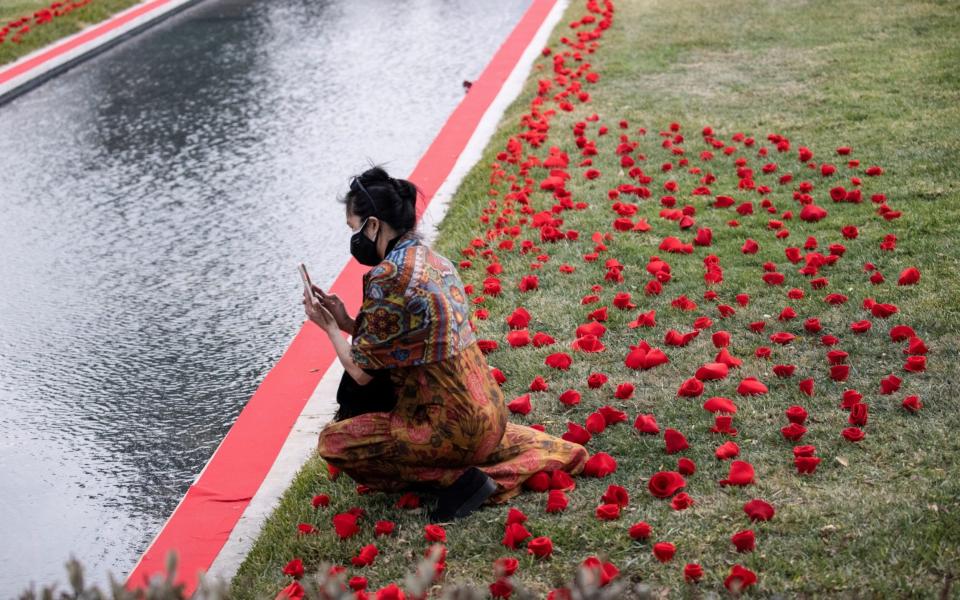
column 307, row 284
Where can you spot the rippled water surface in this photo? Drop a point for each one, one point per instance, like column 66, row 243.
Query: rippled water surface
column 154, row 202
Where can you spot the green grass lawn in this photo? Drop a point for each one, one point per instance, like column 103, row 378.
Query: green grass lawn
column 879, row 518
column 59, row 27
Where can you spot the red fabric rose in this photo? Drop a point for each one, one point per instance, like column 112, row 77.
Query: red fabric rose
column 616, row 494
column 384, row 528
column 796, row 414
column 541, row 339
column 608, row 512
column 912, row 404
column 674, row 441
column 722, row 424
column 600, row 465
column 294, row 591
column 744, row 541
column 853, row 434
column 596, row 380
column 909, row 276
column 505, row 566
column 570, row 397
column 640, row 531
column 664, row 551
column 561, row 480
column 518, row 338
column 806, row 464
column 518, row 319
column 727, row 450
column 793, row 432
column 691, row 388
column 624, row 391
column 686, row 467
column 577, row 434
column 712, row 371
column 500, row 588
column 758, row 510
column 681, row 501
column 366, row 556
column 320, row 500
column 559, row 360
column 890, row 384
column 739, row 579
column 718, row 404
column 692, row 572
column 294, row 568
column 741, row 473
column 557, row 501
column 541, row 547
column 646, row 424
column 751, row 386
column 515, row 515
column 588, row 343
column 595, row 423
column 539, row 481
column 520, row 405
column 345, row 525
column 434, row 533
column 664, row 484
column 514, row 535
column 611, row 415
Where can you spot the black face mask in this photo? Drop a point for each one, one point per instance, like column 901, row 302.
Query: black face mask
column 365, row 250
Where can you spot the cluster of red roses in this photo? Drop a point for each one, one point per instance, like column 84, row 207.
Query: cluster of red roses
column 18, row 28
column 345, row 526
column 528, row 198
column 513, row 224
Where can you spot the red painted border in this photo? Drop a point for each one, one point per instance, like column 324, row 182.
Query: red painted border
column 69, row 44
column 201, row 524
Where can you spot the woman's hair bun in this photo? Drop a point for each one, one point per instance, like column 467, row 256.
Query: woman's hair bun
column 406, row 190
column 396, row 199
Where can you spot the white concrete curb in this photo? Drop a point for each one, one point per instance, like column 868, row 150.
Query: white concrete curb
column 302, row 442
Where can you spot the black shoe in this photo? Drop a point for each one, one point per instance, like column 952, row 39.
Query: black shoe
column 467, row 493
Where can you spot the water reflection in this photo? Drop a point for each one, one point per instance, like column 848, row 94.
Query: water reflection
column 153, row 205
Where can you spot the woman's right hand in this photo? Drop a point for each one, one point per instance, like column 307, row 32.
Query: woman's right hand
column 334, row 304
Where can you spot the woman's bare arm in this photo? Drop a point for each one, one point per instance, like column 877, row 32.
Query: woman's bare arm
column 343, row 353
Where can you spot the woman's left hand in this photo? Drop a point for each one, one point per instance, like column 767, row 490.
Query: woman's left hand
column 319, row 315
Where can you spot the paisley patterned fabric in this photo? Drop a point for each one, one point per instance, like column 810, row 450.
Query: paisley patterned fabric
column 450, row 415
column 414, row 310
column 450, row 412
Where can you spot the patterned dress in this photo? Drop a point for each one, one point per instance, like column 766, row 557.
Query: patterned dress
column 450, row 412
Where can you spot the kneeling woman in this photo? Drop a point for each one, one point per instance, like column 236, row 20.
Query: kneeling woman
column 439, row 419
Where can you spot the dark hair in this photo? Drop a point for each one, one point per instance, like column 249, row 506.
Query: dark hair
column 393, row 200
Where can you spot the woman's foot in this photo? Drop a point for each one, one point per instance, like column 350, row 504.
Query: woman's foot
column 467, row 493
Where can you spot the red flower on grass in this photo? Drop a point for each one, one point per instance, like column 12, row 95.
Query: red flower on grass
column 758, row 510
column 600, row 465
column 664, row 551
column 692, row 572
column 366, row 556
column 739, row 579
column 665, row 484
column 294, row 568
column 514, row 534
column 741, row 473
column 744, row 541
column 345, row 525
column 540, row 547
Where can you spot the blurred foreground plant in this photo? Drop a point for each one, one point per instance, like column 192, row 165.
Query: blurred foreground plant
column 324, row 585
